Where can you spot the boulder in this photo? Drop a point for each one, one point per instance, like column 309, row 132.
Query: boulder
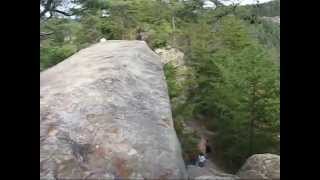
column 206, row 173
column 105, row 114
column 261, row 166
column 214, row 178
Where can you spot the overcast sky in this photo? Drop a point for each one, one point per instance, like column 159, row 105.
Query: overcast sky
column 210, row 4
column 207, row 3
column 243, row 2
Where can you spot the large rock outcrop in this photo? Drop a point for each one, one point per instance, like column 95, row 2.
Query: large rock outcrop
column 261, row 166
column 206, row 173
column 105, row 113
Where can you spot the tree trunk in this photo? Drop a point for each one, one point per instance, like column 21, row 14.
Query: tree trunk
column 251, row 136
column 173, row 31
column 253, row 118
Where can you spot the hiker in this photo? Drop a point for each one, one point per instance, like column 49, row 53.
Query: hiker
column 103, row 40
column 201, row 160
column 208, row 148
column 193, row 159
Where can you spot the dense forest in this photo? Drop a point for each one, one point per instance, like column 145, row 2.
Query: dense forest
column 232, row 55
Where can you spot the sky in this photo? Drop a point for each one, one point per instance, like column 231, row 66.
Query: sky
column 209, row 4
column 243, row 2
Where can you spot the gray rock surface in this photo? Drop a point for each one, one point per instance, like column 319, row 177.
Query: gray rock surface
column 205, row 173
column 261, row 166
column 275, row 19
column 105, row 113
column 170, row 55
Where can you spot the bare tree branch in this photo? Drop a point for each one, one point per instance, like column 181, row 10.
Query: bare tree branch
column 62, row 12
column 51, row 7
column 47, row 7
column 45, row 33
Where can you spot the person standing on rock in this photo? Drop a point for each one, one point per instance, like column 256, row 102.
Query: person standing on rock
column 201, row 160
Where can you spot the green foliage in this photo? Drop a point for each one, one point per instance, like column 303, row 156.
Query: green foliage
column 54, row 54
column 237, row 82
column 267, row 33
column 248, row 90
column 181, row 110
column 269, row 9
column 173, row 86
column 61, row 44
column 160, row 35
column 188, row 140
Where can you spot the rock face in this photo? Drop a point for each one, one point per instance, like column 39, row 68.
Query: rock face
column 175, row 58
column 105, row 113
column 261, row 166
column 172, row 55
column 183, row 73
column 198, row 173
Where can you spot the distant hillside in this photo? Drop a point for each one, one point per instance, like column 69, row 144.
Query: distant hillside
column 269, row 9
column 264, row 20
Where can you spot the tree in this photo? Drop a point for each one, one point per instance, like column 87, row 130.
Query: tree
column 247, row 98
column 237, row 87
